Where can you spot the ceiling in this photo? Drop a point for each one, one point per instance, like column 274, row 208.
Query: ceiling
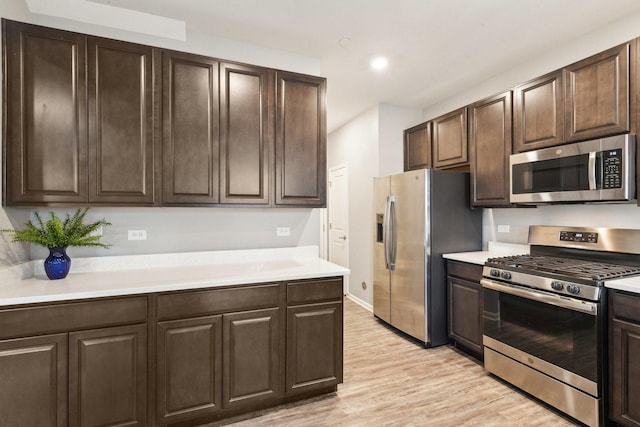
column 436, row 48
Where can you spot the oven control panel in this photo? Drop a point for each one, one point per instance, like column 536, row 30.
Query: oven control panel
column 577, row 236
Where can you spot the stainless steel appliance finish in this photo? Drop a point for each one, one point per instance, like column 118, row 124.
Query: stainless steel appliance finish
column 544, row 314
column 419, row 216
column 589, row 171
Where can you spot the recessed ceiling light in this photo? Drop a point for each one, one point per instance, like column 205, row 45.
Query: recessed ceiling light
column 379, row 63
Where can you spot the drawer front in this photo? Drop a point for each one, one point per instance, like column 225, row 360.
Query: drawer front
column 46, row 319
column 303, row 292
column 625, row 306
column 200, row 303
column 465, row 270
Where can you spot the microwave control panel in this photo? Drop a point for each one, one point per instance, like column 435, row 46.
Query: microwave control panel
column 612, row 168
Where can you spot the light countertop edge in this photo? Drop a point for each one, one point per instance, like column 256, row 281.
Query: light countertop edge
column 494, row 249
column 629, row 284
column 144, row 280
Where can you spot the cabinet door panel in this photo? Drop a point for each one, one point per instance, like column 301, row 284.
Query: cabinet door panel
column 251, row 356
column 33, row 373
column 417, row 147
column 450, row 140
column 46, row 144
column 190, row 129
column 625, row 375
column 189, row 368
column 314, row 346
column 245, row 134
column 538, row 113
column 597, row 95
column 108, row 376
column 490, row 146
column 465, row 314
column 120, row 122
column 301, row 140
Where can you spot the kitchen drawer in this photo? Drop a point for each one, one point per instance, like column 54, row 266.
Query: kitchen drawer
column 464, row 270
column 624, row 306
column 303, row 292
column 200, row 303
column 50, row 318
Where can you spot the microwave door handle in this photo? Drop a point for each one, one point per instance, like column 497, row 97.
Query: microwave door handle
column 592, row 171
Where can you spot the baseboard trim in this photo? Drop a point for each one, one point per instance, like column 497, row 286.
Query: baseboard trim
column 360, row 302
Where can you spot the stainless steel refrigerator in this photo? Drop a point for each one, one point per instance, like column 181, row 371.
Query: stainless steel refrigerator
column 419, row 216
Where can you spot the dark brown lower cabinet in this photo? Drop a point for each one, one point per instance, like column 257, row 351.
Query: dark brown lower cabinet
column 465, row 306
column 108, row 377
column 251, row 357
column 189, row 368
column 33, row 381
column 624, row 359
column 314, row 346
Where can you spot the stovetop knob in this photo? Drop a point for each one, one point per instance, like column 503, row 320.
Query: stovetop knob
column 495, row 273
column 505, row 275
column 558, row 286
column 573, row 289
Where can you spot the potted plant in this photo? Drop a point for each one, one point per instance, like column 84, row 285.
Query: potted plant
column 57, row 234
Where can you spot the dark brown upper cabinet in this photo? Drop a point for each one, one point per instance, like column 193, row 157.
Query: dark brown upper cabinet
column 450, row 140
column 120, row 122
column 417, row 147
column 301, row 140
column 46, row 114
column 190, row 129
column 490, row 147
column 538, row 113
column 597, row 95
column 245, row 133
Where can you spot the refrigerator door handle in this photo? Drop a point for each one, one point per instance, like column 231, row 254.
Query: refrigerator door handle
column 385, row 232
column 394, row 231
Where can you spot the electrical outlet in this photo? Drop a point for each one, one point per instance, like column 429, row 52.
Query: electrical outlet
column 137, row 234
column 283, row 231
column 503, row 228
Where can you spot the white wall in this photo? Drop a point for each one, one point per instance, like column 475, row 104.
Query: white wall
column 176, row 229
column 371, row 145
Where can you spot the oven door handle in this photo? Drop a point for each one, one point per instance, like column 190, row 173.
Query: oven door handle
column 557, row 300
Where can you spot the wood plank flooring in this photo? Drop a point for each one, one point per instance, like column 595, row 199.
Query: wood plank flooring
column 392, row 381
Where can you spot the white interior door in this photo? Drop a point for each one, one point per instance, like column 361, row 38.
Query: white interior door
column 338, row 208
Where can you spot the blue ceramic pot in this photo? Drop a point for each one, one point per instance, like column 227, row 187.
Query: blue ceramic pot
column 57, row 264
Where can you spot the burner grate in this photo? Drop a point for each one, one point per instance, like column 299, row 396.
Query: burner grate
column 589, row 270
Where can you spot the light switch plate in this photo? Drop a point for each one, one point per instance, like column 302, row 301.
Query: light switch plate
column 137, row 234
column 283, row 231
column 503, row 228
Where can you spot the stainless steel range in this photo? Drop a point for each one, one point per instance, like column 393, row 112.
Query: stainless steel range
column 544, row 314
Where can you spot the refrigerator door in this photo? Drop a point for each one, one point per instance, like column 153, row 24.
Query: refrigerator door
column 381, row 273
column 408, row 278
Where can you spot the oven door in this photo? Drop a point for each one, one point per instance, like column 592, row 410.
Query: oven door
column 553, row 334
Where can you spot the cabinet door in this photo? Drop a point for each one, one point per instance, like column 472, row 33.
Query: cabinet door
column 46, row 144
column 246, row 133
column 490, row 146
column 417, row 147
column 190, row 120
column 450, row 140
column 189, row 368
column 33, row 378
column 108, row 376
column 465, row 314
column 120, row 122
column 597, row 95
column 301, row 140
column 251, row 357
column 538, row 113
column 625, row 375
column 314, row 347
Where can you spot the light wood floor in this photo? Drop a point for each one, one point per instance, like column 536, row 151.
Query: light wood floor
column 391, row 381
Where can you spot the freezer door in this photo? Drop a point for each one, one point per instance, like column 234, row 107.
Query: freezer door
column 381, row 274
column 408, row 278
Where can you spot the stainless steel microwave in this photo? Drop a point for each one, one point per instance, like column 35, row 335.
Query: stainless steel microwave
column 590, row 171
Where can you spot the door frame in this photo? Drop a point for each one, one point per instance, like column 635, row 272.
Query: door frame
column 345, row 203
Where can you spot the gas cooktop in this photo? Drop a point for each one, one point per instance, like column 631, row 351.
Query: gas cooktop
column 571, row 268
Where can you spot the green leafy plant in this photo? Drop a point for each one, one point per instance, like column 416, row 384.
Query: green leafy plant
column 59, row 233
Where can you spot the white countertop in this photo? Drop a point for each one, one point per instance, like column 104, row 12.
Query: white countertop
column 494, row 249
column 128, row 275
column 629, row 284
